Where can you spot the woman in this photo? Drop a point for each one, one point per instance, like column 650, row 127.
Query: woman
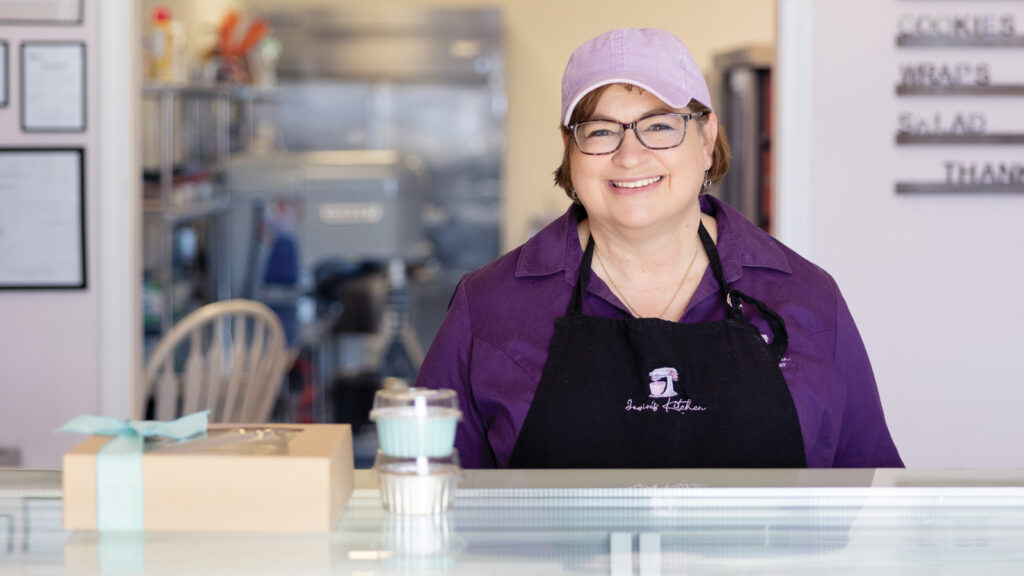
column 652, row 326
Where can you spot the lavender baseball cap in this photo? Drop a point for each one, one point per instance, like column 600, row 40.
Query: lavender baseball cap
column 652, row 59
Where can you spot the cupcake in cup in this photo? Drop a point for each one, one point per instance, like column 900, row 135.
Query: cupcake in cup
column 416, row 422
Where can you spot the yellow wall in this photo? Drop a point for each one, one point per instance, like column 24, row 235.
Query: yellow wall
column 539, row 36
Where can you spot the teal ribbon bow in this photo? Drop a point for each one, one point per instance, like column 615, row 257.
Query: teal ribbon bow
column 119, row 462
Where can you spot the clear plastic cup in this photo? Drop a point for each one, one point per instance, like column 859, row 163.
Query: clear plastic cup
column 413, row 422
column 417, row 486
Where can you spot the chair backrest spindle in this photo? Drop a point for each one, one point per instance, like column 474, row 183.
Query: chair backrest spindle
column 238, row 354
column 193, row 375
column 256, row 366
column 214, row 368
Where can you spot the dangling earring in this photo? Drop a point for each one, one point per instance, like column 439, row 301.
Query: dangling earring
column 572, row 194
column 706, row 184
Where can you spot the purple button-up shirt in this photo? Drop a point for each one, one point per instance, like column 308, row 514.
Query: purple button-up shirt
column 493, row 343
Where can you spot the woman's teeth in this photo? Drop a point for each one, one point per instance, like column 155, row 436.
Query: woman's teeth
column 636, row 183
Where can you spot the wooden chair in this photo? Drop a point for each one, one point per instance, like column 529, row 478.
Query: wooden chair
column 232, row 356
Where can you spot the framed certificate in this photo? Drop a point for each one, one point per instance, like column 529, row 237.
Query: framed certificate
column 42, row 218
column 3, row 74
column 41, row 12
column 53, row 86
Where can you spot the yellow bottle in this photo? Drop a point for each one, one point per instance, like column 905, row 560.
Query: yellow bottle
column 162, row 66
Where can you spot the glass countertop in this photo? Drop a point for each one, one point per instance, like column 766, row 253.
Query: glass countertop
column 618, row 522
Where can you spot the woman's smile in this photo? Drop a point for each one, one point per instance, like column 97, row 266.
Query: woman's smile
column 633, row 185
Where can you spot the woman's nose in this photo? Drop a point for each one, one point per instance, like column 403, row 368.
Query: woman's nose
column 631, row 150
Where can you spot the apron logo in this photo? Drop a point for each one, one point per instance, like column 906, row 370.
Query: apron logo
column 662, row 380
column 679, row 405
column 663, row 386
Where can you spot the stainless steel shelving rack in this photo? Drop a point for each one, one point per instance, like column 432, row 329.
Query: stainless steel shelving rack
column 221, row 120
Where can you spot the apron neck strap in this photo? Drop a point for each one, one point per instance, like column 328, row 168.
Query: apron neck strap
column 575, row 307
column 716, row 267
column 734, row 298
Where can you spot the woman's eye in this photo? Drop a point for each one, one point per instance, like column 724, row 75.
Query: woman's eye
column 660, row 128
column 599, row 133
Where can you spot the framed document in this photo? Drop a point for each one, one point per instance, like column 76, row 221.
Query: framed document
column 53, row 86
column 3, row 74
column 44, row 12
column 42, row 218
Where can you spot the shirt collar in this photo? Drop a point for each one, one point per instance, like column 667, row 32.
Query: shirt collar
column 740, row 243
column 556, row 248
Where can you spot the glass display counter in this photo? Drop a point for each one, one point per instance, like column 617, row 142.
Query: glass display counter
column 618, row 522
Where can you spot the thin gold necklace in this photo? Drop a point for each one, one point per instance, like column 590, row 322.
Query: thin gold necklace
column 622, row 294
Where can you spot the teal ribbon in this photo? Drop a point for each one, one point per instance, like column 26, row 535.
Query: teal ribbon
column 119, row 462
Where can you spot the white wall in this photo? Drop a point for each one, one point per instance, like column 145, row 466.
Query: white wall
column 63, row 352
column 932, row 280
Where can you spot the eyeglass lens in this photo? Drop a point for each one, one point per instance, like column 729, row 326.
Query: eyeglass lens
column 655, row 132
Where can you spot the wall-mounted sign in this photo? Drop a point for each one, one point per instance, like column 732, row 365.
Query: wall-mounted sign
column 42, row 12
column 42, row 224
column 959, row 29
column 945, row 78
column 999, row 177
column 53, row 86
column 3, row 74
column 959, row 71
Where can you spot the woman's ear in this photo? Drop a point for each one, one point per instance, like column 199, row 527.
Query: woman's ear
column 709, row 131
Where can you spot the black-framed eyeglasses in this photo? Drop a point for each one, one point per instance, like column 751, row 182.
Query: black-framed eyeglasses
column 656, row 132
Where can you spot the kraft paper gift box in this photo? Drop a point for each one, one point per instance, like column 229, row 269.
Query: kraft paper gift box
column 237, row 478
column 127, row 553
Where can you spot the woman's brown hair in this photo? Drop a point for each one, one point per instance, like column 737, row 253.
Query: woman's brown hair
column 585, row 110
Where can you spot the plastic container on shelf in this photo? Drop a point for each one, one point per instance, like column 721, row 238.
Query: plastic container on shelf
column 417, row 486
column 179, row 65
column 416, row 422
column 162, row 41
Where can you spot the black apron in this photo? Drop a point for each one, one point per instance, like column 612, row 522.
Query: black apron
column 648, row 393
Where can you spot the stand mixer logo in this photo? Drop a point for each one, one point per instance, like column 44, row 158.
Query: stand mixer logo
column 661, row 382
column 662, row 385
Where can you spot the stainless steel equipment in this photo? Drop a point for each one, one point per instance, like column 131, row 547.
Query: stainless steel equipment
column 743, row 84
column 425, row 82
column 355, row 204
column 385, row 42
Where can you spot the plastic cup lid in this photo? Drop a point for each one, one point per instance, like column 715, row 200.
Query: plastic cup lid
column 414, row 413
column 423, row 400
